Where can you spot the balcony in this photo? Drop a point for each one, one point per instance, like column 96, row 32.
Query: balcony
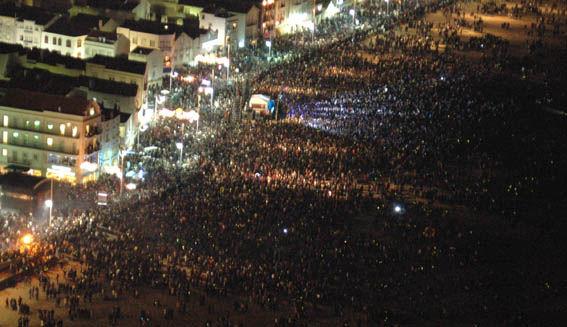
column 93, row 132
column 92, row 148
column 42, row 147
column 19, row 161
column 53, row 131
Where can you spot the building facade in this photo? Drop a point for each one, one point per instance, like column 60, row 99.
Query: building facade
column 52, row 136
column 106, row 44
column 120, row 69
column 24, row 25
column 67, row 36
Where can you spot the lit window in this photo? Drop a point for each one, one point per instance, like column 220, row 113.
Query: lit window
column 16, row 134
column 92, row 112
column 49, row 141
column 36, row 124
column 5, row 152
column 62, row 129
column 28, row 124
column 6, row 119
column 75, row 131
column 5, row 136
column 50, row 126
column 36, row 137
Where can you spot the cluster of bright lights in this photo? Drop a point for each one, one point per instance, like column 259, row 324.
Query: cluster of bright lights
column 27, row 239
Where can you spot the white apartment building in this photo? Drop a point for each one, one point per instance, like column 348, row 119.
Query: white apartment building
column 106, row 44
column 154, row 59
column 52, row 136
column 24, row 25
column 120, row 69
column 149, row 34
column 68, row 34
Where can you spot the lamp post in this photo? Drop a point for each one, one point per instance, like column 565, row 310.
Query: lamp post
column 121, row 154
column 49, row 203
column 193, row 117
column 179, row 146
column 352, row 12
column 269, row 45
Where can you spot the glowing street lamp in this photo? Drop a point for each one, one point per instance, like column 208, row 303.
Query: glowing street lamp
column 27, row 239
column 398, row 209
column 193, row 116
column 269, row 45
column 49, row 203
column 179, row 146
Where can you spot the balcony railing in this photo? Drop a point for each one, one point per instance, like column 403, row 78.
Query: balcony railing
column 53, row 131
column 38, row 146
column 92, row 148
column 93, row 132
column 19, row 161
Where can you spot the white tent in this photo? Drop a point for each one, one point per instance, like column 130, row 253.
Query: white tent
column 259, row 103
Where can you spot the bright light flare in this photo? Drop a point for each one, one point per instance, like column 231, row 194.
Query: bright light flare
column 27, row 239
column 48, row 203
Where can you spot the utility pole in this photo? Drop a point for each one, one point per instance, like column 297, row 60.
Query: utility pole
column 121, row 154
column 51, row 206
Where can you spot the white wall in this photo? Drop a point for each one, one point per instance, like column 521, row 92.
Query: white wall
column 66, row 45
column 210, row 21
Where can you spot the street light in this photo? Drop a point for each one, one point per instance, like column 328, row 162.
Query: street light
column 193, row 116
column 49, row 203
column 269, row 45
column 27, row 239
column 352, row 12
column 179, row 146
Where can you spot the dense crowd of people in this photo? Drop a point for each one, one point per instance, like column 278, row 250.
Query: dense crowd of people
column 382, row 199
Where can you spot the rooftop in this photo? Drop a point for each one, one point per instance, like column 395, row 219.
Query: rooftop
column 40, row 80
column 148, row 26
column 241, row 6
column 120, row 64
column 54, row 58
column 36, row 101
column 75, row 26
column 123, row 5
column 143, row 50
column 102, row 37
column 37, row 15
column 217, row 11
column 107, row 86
column 11, row 48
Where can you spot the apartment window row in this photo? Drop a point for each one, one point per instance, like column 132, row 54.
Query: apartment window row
column 64, row 129
column 59, row 41
column 26, row 156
